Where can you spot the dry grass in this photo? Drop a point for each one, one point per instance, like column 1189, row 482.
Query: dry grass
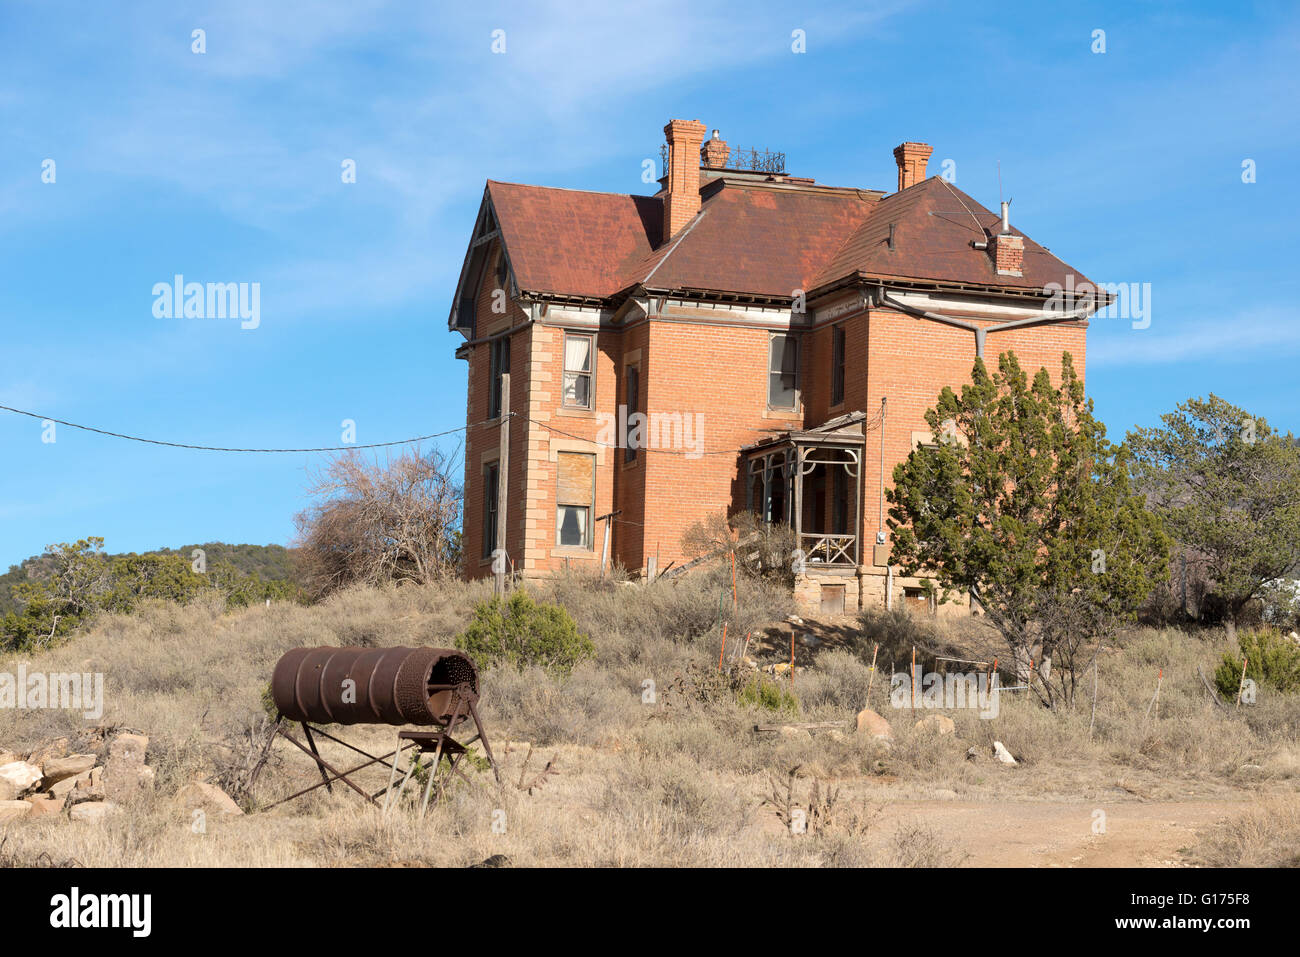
column 1266, row 835
column 680, row 782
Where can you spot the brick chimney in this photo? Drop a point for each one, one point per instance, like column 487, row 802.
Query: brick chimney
column 682, row 194
column 1007, row 249
column 911, row 159
column 716, row 151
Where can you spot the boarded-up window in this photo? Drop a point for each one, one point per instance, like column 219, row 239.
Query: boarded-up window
column 575, row 488
column 832, row 599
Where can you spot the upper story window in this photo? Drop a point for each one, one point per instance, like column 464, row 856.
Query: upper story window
column 577, row 370
column 783, row 372
column 503, row 269
column 837, row 365
column 632, row 397
column 500, row 366
column 491, row 484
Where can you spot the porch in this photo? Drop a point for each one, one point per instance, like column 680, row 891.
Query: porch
column 812, row 481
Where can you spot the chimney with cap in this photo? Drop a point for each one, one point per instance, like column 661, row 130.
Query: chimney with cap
column 911, row 159
column 715, row 152
column 1007, row 249
column 682, row 194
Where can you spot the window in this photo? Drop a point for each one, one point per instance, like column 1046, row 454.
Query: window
column 632, row 396
column 575, row 492
column 491, row 483
column 500, row 367
column 577, row 370
column 783, row 372
column 837, row 365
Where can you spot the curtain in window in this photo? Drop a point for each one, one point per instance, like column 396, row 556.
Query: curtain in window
column 577, row 371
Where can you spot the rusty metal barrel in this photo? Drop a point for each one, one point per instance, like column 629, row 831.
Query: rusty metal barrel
column 374, row 685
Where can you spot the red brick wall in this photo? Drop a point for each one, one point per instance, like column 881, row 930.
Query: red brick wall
column 554, row 428
column 909, row 360
column 705, row 366
column 720, row 372
column 481, row 440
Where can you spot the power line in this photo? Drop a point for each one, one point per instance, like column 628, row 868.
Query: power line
column 870, row 424
column 216, row 448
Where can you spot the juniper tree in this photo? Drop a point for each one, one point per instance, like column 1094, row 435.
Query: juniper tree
column 1024, row 504
column 1228, row 488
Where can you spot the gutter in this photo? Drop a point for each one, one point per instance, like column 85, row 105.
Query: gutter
column 884, row 298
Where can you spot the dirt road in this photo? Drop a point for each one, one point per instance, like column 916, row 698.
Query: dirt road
column 1062, row 834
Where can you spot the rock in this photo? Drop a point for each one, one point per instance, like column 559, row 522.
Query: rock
column 208, row 797
column 55, row 749
column 13, row 811
column 125, row 772
column 56, row 769
column 972, row 754
column 937, row 724
column 837, row 736
column 798, row 734
column 129, row 747
column 7, row 757
column 809, row 640
column 794, row 619
column 94, row 812
column 17, row 778
column 1002, row 754
column 43, row 805
column 873, row 724
column 84, row 793
column 65, row 787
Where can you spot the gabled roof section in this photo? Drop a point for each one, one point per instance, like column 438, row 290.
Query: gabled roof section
column 757, row 240
column 574, row 243
column 934, row 224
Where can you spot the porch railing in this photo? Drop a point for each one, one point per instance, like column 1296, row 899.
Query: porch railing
column 826, row 549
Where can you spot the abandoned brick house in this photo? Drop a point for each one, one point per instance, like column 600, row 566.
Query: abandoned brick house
column 742, row 339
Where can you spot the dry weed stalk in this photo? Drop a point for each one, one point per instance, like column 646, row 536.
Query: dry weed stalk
column 540, row 779
column 823, row 811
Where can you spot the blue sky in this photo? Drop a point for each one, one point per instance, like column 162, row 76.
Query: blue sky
column 225, row 167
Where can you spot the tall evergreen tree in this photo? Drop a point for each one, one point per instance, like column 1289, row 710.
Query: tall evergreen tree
column 1025, row 505
column 1227, row 487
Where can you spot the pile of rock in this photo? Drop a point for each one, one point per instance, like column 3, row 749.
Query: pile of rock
column 51, row 780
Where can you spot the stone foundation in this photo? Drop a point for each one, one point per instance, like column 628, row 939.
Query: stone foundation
column 865, row 588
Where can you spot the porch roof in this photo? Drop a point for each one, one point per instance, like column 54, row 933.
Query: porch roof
column 844, row 430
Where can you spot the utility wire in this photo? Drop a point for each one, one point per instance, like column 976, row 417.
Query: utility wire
column 869, row 425
column 216, row 448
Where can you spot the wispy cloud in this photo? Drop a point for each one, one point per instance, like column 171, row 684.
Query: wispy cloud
column 1271, row 332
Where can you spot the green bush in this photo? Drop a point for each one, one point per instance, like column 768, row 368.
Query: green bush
column 1271, row 661
column 762, row 692
column 520, row 632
